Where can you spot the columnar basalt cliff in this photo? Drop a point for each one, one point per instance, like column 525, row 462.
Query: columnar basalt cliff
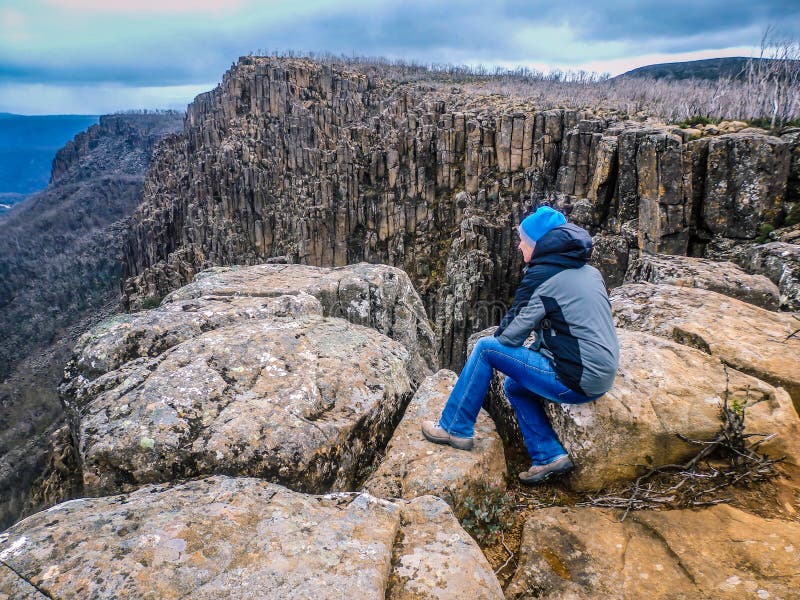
column 328, row 165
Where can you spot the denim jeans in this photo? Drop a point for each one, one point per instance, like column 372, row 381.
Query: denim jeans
column 529, row 375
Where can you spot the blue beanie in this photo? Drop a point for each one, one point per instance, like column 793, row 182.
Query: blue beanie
column 533, row 227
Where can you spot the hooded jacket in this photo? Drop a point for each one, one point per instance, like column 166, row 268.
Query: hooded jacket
column 564, row 301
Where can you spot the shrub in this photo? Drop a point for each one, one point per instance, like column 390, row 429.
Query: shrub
column 485, row 514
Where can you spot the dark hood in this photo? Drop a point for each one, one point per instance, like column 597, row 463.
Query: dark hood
column 567, row 246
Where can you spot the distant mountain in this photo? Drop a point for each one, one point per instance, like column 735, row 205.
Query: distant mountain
column 709, row 69
column 27, row 147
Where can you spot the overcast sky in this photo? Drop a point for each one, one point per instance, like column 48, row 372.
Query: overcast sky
column 100, row 56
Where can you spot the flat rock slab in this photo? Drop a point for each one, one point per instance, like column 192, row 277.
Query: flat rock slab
column 746, row 337
column 377, row 296
column 664, row 388
column 435, row 559
column 146, row 334
column 301, row 401
column 722, row 277
column 717, row 552
column 413, row 466
column 241, row 538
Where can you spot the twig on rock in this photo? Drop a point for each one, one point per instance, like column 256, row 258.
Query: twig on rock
column 510, row 554
column 794, row 333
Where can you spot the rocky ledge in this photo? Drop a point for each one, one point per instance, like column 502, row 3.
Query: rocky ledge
column 211, row 425
column 242, row 538
column 241, row 373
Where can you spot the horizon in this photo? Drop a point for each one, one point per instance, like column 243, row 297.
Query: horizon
column 93, row 57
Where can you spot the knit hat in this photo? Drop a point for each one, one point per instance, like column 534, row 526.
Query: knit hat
column 533, row 227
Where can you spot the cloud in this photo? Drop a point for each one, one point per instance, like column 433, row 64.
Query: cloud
column 43, row 99
column 153, row 43
column 148, row 6
column 14, row 25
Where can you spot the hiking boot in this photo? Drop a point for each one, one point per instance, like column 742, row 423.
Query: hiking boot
column 538, row 473
column 437, row 435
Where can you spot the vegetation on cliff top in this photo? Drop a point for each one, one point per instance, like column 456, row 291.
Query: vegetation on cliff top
column 764, row 91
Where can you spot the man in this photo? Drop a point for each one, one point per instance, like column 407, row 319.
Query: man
column 573, row 360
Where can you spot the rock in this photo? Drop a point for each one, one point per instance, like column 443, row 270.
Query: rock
column 746, row 183
column 663, row 212
column 242, row 538
column 717, row 552
column 13, row 587
column 664, row 388
column 745, row 337
column 722, row 277
column 146, row 334
column 302, row 401
column 435, row 558
column 781, row 263
column 610, row 256
column 376, row 296
column 792, row 137
column 412, row 466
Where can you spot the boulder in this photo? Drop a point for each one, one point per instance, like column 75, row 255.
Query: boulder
column 781, row 263
column 377, row 296
column 722, row 277
column 745, row 337
column 303, row 401
column 413, row 466
column 242, row 538
column 664, row 388
column 127, row 337
column 717, row 552
column 610, row 255
column 435, row 559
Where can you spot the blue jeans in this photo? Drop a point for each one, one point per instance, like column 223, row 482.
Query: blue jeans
column 529, row 375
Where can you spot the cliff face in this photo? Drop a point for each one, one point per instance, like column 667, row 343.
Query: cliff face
column 329, row 166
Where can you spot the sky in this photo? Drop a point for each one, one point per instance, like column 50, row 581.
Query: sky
column 102, row 56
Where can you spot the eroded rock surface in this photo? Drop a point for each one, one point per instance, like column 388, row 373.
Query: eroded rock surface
column 304, row 401
column 718, row 276
column 746, row 337
column 780, row 262
column 664, row 388
column 413, row 466
column 377, row 296
column 435, row 559
column 243, row 538
column 717, row 552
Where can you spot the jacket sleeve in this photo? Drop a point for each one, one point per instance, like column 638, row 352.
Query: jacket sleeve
column 532, row 279
column 525, row 321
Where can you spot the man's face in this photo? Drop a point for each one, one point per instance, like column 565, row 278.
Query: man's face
column 526, row 249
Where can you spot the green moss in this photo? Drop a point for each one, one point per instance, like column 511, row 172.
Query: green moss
column 150, row 302
column 695, row 121
column 763, row 232
column 793, row 216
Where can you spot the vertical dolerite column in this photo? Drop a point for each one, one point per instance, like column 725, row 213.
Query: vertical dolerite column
column 663, row 218
column 746, row 180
